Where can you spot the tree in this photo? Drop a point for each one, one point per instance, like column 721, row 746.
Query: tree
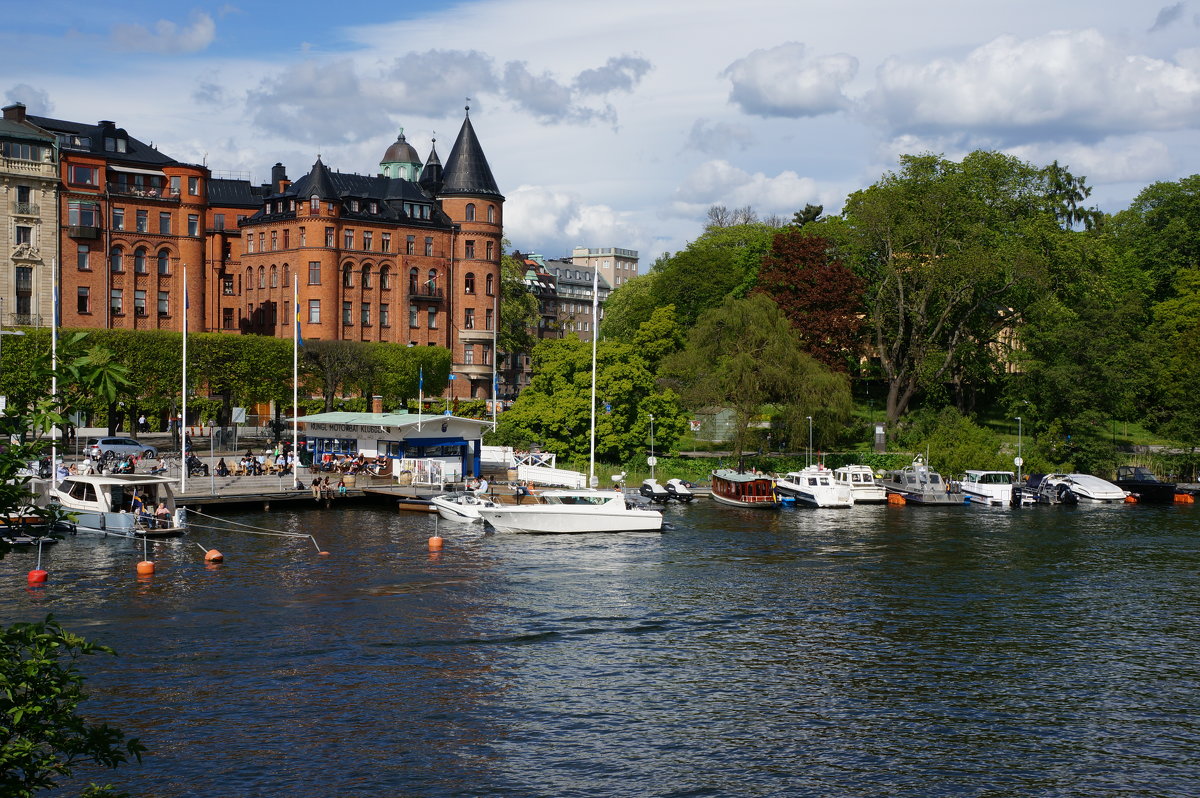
column 658, row 337
column 1159, row 233
column 518, row 308
column 1064, row 193
column 811, row 213
column 745, row 355
column 334, row 365
column 820, row 296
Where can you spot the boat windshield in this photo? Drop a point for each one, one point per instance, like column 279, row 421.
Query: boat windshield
column 577, row 499
column 995, row 479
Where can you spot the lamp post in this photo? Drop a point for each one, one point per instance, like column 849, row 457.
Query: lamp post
column 808, row 454
column 652, row 460
column 1018, row 460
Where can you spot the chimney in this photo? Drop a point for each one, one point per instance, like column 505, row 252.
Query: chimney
column 376, row 404
column 15, row 112
column 279, row 178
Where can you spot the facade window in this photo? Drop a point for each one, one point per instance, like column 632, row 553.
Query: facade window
column 385, row 242
column 249, row 279
column 410, row 245
column 347, row 314
column 139, row 261
column 274, row 276
column 83, row 299
column 470, row 211
column 469, row 283
column 287, row 276
column 164, row 303
column 303, row 238
column 347, row 239
column 262, row 242
column 469, row 319
column 83, row 175
column 413, row 317
column 274, row 240
column 491, row 250
column 314, row 311
column 365, row 319
column 354, row 206
column 287, row 238
column 491, row 285
column 314, row 272
column 428, row 245
column 193, row 224
column 82, row 257
column 492, row 214
column 218, row 221
column 314, row 203
column 175, row 185
column 366, row 275
column 143, row 221
column 262, row 277
column 139, row 303
column 384, row 321
column 488, row 319
column 115, row 302
column 164, row 262
column 83, row 214
column 385, row 278
column 469, row 354
column 227, row 318
column 227, row 285
column 118, row 218
column 194, row 186
column 432, row 317
column 412, row 281
column 367, row 236
column 32, row 152
column 115, row 260
column 329, row 236
column 470, row 246
column 347, row 276
column 432, row 282
column 249, row 243
column 164, row 224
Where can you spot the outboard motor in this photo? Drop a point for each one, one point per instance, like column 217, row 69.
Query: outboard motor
column 679, row 490
column 1066, row 495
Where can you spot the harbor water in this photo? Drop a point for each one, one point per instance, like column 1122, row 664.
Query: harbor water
column 899, row 651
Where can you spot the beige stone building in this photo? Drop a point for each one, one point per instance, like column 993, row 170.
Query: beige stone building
column 617, row 266
column 28, row 219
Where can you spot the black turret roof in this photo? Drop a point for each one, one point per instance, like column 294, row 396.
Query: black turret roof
column 467, row 170
column 431, row 175
column 318, row 181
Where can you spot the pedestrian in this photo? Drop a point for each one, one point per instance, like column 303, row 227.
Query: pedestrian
column 326, row 488
column 316, row 489
column 142, row 425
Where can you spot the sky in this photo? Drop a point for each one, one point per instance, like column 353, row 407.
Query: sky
column 618, row 124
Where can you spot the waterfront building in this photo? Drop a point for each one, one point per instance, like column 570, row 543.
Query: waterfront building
column 574, row 283
column 28, row 218
column 617, row 266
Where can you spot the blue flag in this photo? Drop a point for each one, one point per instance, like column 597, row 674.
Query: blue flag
column 299, row 337
column 421, row 378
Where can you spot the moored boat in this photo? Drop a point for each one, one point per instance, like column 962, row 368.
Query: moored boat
column 919, row 484
column 988, row 487
column 118, row 504
column 1144, row 486
column 861, row 481
column 654, row 491
column 462, row 507
column 680, row 490
column 576, row 511
column 815, row 487
column 742, row 489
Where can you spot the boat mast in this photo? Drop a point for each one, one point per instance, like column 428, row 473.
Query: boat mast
column 183, row 458
column 592, row 482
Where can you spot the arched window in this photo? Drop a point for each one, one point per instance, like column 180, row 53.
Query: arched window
column 274, row 276
column 164, row 262
column 491, row 285
column 492, row 214
column 470, row 211
column 314, row 203
column 287, row 276
column 432, row 282
column 249, row 282
column 139, row 261
column 385, row 278
column 347, row 276
column 412, row 280
column 262, row 277
column 115, row 259
column 366, row 275
column 469, row 283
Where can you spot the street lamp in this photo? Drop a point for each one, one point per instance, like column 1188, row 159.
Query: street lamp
column 652, row 460
column 1018, row 460
column 808, row 454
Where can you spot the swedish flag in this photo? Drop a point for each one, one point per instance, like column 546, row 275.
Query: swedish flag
column 299, row 337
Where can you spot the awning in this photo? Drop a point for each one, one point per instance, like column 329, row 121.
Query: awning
column 132, row 171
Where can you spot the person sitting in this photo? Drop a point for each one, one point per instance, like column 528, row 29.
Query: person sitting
column 341, row 487
column 316, row 488
column 222, row 469
column 196, row 466
column 481, row 487
column 163, row 516
column 160, row 467
column 281, row 463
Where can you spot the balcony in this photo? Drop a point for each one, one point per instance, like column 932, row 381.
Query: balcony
column 26, row 209
column 79, row 231
column 475, row 371
column 475, row 336
column 27, row 320
column 427, row 293
column 143, row 192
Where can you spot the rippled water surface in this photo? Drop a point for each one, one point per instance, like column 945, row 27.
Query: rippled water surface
column 878, row 651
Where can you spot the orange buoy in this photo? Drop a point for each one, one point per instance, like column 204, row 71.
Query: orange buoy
column 322, row 554
column 1131, row 499
column 1185, row 498
column 896, row 499
column 37, row 576
column 435, row 543
column 145, row 568
column 212, row 555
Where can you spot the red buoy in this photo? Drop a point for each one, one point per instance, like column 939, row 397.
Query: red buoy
column 145, row 568
column 37, row 576
column 435, row 543
column 212, row 555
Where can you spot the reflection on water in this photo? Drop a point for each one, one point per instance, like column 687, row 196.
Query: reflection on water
column 876, row 651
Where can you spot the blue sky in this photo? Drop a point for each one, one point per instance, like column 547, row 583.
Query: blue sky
column 619, row 123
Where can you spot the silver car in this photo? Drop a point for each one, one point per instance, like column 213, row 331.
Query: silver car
column 97, row 448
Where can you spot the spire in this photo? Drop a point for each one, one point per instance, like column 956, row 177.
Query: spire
column 431, row 175
column 467, row 170
column 320, row 182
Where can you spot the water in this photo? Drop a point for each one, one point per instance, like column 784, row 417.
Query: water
column 878, row 651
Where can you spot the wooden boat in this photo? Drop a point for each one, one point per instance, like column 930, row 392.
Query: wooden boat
column 742, row 489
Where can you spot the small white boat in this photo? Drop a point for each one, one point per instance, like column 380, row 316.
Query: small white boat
column 988, row 487
column 814, row 486
column 861, row 481
column 462, row 507
column 118, row 504
column 1076, row 488
column 654, row 492
column 575, row 511
column 680, row 490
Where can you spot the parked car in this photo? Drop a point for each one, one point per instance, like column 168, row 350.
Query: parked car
column 97, row 448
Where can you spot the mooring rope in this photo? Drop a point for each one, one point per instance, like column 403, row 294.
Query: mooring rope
column 248, row 529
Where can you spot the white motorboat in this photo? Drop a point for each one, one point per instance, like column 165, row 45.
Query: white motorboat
column 575, row 511
column 680, row 490
column 814, row 486
column 118, row 504
column 654, row 491
column 988, row 487
column 1074, row 488
column 462, row 507
column 861, row 481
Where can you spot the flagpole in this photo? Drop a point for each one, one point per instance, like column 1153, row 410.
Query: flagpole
column 595, row 335
column 296, row 379
column 420, row 394
column 183, row 459
column 54, row 368
column 495, row 354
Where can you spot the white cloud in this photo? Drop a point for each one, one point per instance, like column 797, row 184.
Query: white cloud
column 783, row 81
column 435, row 83
column 718, row 138
column 37, row 101
column 1119, row 159
column 555, row 221
column 1065, row 84
column 720, row 183
column 320, row 102
column 167, row 37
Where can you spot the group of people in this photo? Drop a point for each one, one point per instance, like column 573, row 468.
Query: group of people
column 321, row 489
column 153, row 517
column 280, row 461
column 346, row 464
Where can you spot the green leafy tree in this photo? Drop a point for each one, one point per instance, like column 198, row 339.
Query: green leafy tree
column 334, row 365
column 518, row 309
column 631, row 305
column 746, row 356
column 1159, row 233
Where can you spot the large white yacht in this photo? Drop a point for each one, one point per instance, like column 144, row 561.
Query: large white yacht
column 814, row 486
column 861, row 481
column 573, row 511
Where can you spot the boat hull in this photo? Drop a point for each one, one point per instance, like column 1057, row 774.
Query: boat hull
column 559, row 520
column 459, row 509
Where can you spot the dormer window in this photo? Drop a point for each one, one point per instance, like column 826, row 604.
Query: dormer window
column 314, row 203
column 374, row 207
column 354, row 206
column 113, row 144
